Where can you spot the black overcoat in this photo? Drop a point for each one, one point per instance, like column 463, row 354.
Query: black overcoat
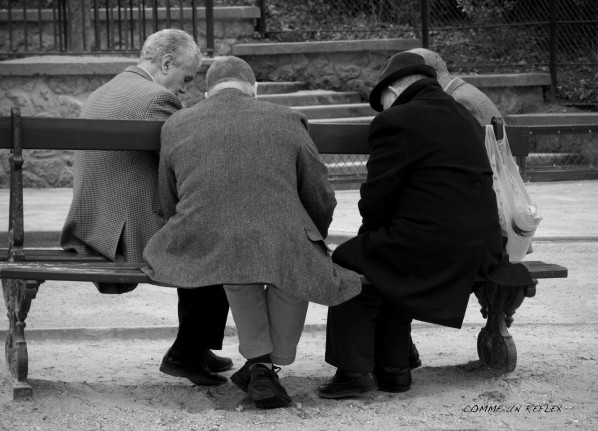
column 430, row 224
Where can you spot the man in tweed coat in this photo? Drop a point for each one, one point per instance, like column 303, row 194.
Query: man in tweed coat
column 249, row 204
column 116, row 206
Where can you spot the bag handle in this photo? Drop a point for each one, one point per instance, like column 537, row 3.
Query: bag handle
column 498, row 125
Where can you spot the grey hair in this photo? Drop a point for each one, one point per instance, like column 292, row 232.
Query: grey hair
column 170, row 41
column 432, row 59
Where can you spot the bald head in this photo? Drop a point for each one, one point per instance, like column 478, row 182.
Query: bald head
column 433, row 59
column 230, row 72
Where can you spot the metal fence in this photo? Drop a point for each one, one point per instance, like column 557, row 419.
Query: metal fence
column 559, row 37
column 36, row 27
column 475, row 36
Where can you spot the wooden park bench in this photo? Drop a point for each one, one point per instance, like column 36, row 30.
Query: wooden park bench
column 23, row 269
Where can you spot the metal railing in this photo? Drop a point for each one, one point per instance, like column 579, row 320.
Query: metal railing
column 482, row 36
column 37, row 27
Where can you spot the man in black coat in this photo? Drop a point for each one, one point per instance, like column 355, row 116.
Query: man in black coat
column 430, row 230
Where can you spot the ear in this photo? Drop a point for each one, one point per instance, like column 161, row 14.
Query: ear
column 393, row 90
column 167, row 63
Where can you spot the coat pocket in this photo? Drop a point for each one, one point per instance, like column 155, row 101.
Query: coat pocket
column 315, row 236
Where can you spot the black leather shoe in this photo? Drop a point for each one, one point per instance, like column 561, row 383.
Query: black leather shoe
column 197, row 371
column 414, row 361
column 393, row 379
column 265, row 389
column 241, row 378
column 346, row 384
column 217, row 364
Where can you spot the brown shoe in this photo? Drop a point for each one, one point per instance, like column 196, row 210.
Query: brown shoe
column 393, row 379
column 217, row 364
column 265, row 389
column 346, row 384
column 242, row 377
column 197, row 371
column 414, row 360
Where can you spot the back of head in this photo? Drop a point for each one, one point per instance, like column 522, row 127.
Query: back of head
column 178, row 43
column 229, row 69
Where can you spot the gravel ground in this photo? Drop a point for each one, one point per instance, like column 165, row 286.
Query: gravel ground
column 114, row 384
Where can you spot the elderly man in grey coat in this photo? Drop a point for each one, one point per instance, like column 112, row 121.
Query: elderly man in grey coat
column 249, row 206
column 473, row 99
column 116, row 205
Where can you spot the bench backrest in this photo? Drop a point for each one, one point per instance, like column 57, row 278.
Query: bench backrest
column 85, row 134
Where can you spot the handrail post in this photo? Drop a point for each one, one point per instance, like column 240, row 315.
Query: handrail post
column 425, row 12
column 553, row 48
column 261, row 21
column 210, row 27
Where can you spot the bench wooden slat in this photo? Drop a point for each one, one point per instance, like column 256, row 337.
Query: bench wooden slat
column 536, row 268
column 53, row 255
column 130, row 272
column 139, row 135
column 109, row 272
column 546, row 270
column 83, row 134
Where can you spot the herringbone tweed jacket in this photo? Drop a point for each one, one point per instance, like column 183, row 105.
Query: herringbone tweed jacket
column 476, row 102
column 248, row 201
column 115, row 193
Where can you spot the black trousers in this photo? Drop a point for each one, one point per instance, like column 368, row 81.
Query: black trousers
column 365, row 332
column 202, row 319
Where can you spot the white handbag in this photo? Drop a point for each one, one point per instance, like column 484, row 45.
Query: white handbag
column 518, row 215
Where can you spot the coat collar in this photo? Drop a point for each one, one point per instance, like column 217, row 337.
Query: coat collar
column 141, row 72
column 453, row 85
column 414, row 89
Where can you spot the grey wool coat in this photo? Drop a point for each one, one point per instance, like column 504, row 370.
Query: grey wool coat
column 476, row 102
column 116, row 192
column 247, row 201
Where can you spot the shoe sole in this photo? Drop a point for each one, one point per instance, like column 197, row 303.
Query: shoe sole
column 265, row 397
column 347, row 393
column 394, row 389
column 226, row 368
column 200, row 381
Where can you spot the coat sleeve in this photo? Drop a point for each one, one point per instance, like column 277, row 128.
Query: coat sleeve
column 167, row 181
column 315, row 191
column 387, row 165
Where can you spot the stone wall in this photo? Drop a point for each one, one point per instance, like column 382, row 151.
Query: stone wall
column 58, row 87
column 338, row 65
column 355, row 65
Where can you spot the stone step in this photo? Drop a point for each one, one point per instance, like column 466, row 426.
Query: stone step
column 271, row 87
column 313, row 97
column 351, row 110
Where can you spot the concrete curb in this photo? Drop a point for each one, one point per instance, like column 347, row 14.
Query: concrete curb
column 169, row 332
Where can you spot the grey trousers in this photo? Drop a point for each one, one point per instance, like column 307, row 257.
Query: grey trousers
column 268, row 320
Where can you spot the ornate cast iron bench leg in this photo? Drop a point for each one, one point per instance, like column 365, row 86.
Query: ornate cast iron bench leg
column 18, row 295
column 496, row 347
